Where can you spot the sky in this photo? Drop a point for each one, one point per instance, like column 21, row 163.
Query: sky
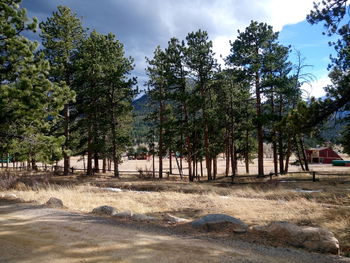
column 141, row 25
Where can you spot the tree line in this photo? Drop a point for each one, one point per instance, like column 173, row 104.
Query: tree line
column 201, row 110
column 73, row 95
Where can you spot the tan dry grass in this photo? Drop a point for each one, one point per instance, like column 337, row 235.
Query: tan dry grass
column 252, row 205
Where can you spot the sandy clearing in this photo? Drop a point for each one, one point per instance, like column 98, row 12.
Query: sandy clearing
column 134, row 165
column 30, row 233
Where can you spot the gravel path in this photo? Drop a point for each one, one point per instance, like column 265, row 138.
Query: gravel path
column 31, row 233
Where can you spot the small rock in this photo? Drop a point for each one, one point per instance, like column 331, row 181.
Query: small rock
column 125, row 214
column 9, row 196
column 54, row 203
column 220, row 222
column 105, row 210
column 174, row 219
column 313, row 238
column 141, row 217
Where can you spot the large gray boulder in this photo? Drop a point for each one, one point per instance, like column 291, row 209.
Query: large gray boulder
column 105, row 210
column 313, row 238
column 220, row 222
column 54, row 202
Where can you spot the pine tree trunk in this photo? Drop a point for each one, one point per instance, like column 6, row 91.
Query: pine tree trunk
column 84, row 166
column 246, row 152
column 233, row 161
column 227, row 153
column 215, row 167
column 206, row 137
column 96, row 165
column 201, row 163
column 286, row 166
column 274, row 136
column 66, row 158
column 280, row 141
column 195, row 170
column 190, row 176
column 170, row 162
column 104, row 165
column 7, row 161
column 275, row 158
column 178, row 167
column 227, row 170
column 259, row 128
column 304, row 154
column 207, row 156
column 153, row 164
column 34, row 167
column 109, row 162
column 160, row 141
column 116, row 166
column 89, row 171
column 298, row 153
column 114, row 146
column 280, row 152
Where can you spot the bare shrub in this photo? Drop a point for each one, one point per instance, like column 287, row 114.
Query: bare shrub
column 7, row 181
column 144, row 173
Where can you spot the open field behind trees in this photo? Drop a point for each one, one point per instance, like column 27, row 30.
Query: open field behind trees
column 146, row 165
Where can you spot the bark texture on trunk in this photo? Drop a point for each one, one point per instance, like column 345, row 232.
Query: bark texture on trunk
column 259, row 128
column 66, row 158
column 89, row 171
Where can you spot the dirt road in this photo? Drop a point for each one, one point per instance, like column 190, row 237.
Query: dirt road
column 30, row 233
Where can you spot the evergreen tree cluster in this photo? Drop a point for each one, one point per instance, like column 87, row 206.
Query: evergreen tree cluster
column 72, row 97
column 201, row 111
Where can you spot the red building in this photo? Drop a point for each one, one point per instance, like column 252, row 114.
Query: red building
column 322, row 155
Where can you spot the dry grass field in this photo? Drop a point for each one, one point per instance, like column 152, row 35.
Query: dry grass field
column 134, row 165
column 324, row 203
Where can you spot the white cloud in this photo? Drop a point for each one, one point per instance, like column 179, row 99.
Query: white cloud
column 284, row 12
column 233, row 15
column 222, row 18
column 316, row 88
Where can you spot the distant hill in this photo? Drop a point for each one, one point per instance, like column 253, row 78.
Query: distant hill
column 140, row 126
column 140, row 104
column 332, row 129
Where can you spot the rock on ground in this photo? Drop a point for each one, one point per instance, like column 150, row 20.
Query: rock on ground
column 9, row 196
column 313, row 238
column 54, row 203
column 105, row 210
column 174, row 219
column 141, row 217
column 125, row 214
column 220, row 222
